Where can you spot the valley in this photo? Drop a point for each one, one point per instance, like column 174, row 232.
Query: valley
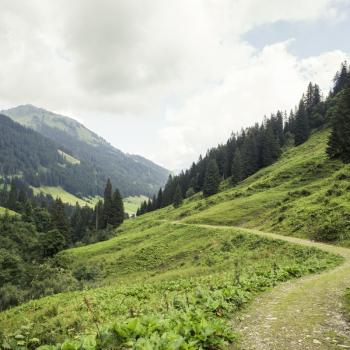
column 204, row 259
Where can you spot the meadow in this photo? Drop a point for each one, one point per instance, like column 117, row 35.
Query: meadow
column 175, row 278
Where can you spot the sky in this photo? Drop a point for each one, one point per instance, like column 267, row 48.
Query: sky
column 168, row 79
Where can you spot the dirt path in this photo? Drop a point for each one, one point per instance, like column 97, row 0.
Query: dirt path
column 303, row 314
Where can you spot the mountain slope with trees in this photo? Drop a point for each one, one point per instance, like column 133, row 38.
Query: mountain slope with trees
column 132, row 174
column 176, row 276
column 261, row 145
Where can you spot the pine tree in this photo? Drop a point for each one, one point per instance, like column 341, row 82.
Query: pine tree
column 27, row 214
column 178, row 199
column 339, row 141
column 270, row 150
column 237, row 168
column 12, row 197
column 117, row 209
column 78, row 228
column 59, row 219
column 341, row 79
column 98, row 215
column 107, row 204
column 301, row 124
column 212, row 179
column 159, row 198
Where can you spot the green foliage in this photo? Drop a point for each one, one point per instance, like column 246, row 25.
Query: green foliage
column 237, row 168
column 164, row 284
column 339, row 141
column 98, row 160
column 212, row 179
column 52, row 242
column 178, row 199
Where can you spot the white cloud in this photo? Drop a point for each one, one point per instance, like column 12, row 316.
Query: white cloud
column 132, row 63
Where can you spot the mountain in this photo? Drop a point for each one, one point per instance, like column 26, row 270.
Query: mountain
column 182, row 275
column 40, row 161
column 132, row 174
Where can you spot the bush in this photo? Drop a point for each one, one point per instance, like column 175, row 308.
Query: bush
column 331, row 228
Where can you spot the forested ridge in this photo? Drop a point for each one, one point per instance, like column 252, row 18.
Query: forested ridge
column 41, row 227
column 133, row 175
column 259, row 146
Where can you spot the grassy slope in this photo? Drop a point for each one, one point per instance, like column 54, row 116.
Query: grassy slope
column 130, row 203
column 290, row 197
column 3, row 210
column 147, row 264
column 64, row 195
column 150, row 251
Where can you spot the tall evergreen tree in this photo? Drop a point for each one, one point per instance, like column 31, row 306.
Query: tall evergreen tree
column 99, row 216
column 339, row 141
column 212, row 179
column 59, row 219
column 107, row 204
column 342, row 78
column 301, row 124
column 117, row 209
column 237, row 168
column 178, row 199
column 270, row 150
column 159, row 198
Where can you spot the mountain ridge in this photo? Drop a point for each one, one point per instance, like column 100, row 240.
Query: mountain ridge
column 133, row 174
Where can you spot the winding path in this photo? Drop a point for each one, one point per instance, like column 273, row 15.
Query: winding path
column 302, row 314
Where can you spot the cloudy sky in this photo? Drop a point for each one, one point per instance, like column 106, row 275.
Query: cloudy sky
column 168, row 79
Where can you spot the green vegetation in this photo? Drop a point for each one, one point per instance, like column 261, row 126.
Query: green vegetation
column 303, row 194
column 170, row 283
column 66, row 197
column 67, row 157
column 174, row 279
column 4, row 210
column 347, row 303
column 98, row 160
column 132, row 203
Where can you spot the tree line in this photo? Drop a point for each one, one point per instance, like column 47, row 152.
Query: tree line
column 261, row 145
column 42, row 227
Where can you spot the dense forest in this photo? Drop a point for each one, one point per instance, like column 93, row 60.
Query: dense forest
column 258, row 146
column 133, row 175
column 26, row 153
column 42, row 227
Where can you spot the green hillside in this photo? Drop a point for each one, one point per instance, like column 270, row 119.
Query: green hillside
column 3, row 211
column 304, row 194
column 186, row 280
column 131, row 203
column 82, row 148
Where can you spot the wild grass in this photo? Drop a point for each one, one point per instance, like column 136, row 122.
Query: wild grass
column 154, row 274
column 156, row 270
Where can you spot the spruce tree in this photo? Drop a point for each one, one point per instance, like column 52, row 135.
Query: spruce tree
column 98, row 215
column 301, row 124
column 178, row 199
column 159, row 198
column 59, row 219
column 237, row 168
column 270, row 150
column 342, row 78
column 117, row 209
column 107, row 204
column 339, row 141
column 212, row 179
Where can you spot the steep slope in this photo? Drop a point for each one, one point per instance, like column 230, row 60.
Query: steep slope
column 168, row 262
column 38, row 160
column 133, row 175
column 304, row 194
